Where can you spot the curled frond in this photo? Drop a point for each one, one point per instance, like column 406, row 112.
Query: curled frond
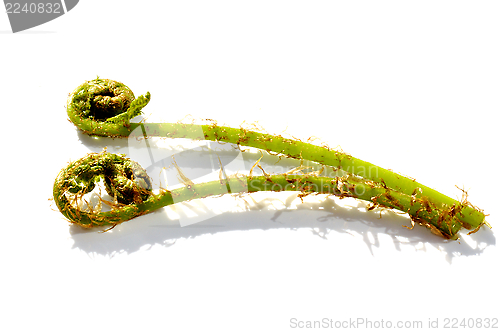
column 124, row 179
column 104, row 107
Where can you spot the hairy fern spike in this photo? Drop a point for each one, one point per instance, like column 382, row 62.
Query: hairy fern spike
column 129, row 185
column 86, row 109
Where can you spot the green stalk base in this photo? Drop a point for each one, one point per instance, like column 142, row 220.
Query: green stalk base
column 80, row 177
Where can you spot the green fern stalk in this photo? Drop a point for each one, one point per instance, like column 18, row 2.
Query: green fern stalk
column 127, row 182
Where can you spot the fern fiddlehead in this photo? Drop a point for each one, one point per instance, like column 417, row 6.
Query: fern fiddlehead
column 130, row 187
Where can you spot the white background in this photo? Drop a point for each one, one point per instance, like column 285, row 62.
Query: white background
column 407, row 85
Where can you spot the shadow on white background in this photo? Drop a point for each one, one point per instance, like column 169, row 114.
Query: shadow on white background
column 322, row 215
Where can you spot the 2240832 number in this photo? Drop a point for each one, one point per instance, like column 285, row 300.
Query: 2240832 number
column 454, row 323
column 47, row 8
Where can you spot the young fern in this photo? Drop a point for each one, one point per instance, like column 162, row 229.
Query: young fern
column 127, row 182
column 104, row 107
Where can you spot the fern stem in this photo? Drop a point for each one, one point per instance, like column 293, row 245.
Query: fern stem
column 127, row 180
